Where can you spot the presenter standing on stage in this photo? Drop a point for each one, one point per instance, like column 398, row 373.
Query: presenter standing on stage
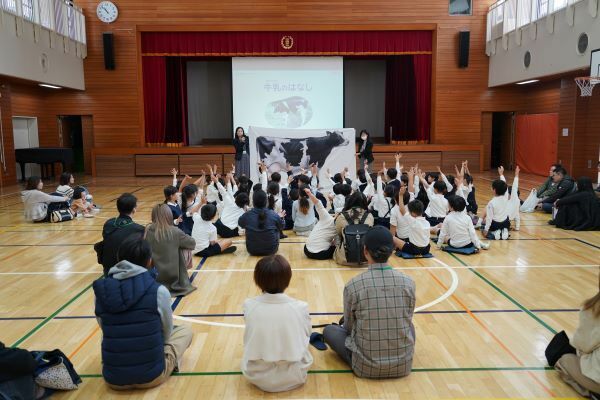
column 242, row 153
column 365, row 150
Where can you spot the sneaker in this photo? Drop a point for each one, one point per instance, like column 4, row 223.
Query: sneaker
column 485, row 245
column 229, row 250
column 496, row 235
column 504, row 234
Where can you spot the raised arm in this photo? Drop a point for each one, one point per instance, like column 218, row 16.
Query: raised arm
column 449, row 187
column 174, row 172
column 401, row 206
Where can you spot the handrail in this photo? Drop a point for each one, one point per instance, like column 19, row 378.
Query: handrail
column 60, row 16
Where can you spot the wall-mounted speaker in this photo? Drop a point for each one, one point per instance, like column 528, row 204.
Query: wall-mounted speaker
column 109, row 50
column 463, row 49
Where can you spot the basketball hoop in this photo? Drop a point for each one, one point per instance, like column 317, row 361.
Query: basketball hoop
column 586, row 84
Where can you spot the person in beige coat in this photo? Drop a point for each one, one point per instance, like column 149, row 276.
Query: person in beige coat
column 169, row 247
column 355, row 208
column 582, row 370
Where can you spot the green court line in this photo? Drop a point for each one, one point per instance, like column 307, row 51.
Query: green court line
column 51, row 316
column 503, row 293
column 349, row 371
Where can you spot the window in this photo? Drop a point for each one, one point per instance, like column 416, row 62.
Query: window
column 460, row 7
column 27, row 8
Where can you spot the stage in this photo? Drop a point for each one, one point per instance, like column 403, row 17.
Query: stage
column 191, row 160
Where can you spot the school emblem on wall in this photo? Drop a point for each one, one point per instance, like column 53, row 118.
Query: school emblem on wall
column 287, row 42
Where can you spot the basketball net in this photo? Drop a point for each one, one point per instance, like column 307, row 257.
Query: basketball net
column 586, row 84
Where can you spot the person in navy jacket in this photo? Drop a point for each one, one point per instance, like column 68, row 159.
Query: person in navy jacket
column 140, row 346
column 262, row 226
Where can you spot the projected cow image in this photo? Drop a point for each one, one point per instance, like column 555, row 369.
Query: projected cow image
column 292, row 112
column 299, row 153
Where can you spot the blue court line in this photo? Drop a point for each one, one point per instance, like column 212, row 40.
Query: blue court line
column 541, row 310
column 192, row 277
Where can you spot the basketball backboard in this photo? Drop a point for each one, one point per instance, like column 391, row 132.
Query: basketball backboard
column 595, row 63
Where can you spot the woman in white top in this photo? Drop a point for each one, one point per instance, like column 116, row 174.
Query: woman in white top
column 276, row 355
column 37, row 204
column 303, row 214
column 582, row 370
column 320, row 244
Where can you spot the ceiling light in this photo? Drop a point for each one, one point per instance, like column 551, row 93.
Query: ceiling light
column 526, row 82
column 49, row 86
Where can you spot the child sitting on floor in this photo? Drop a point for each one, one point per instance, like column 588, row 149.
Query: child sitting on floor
column 457, row 228
column 497, row 211
column 303, row 214
column 205, row 234
column 438, row 204
column 79, row 204
column 418, row 227
column 320, row 244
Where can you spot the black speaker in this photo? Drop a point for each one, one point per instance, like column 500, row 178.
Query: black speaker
column 109, row 50
column 463, row 49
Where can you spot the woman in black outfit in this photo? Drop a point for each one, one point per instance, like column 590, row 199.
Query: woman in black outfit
column 242, row 153
column 365, row 150
column 579, row 211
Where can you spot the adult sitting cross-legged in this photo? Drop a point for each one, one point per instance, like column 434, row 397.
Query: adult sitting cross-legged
column 140, row 345
column 564, row 186
column 377, row 336
column 116, row 230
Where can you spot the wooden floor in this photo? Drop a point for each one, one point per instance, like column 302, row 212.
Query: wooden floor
column 482, row 324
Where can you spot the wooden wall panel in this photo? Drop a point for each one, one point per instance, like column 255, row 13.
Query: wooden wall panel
column 566, row 120
column 228, row 159
column 8, row 176
column 155, row 165
column 486, row 139
column 428, row 161
column 87, row 131
column 194, row 164
column 117, row 165
column 113, row 97
column 452, row 158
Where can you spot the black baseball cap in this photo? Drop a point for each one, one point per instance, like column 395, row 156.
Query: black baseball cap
column 378, row 237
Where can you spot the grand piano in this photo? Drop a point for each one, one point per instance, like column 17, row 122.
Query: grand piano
column 45, row 157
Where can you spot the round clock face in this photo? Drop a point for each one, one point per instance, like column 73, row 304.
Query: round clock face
column 107, row 12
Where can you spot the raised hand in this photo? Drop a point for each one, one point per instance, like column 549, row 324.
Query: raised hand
column 501, row 170
column 174, row 172
column 439, row 169
column 517, row 170
column 290, row 179
column 281, row 214
column 397, row 157
column 402, row 190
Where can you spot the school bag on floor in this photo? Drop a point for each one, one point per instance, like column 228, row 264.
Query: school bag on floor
column 354, row 238
column 61, row 215
column 55, row 371
column 530, row 203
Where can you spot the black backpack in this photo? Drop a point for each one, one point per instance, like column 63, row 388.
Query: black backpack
column 354, row 238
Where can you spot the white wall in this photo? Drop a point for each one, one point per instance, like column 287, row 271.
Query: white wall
column 552, row 43
column 22, row 45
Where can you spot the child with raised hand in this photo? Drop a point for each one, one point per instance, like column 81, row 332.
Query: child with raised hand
column 383, row 200
column 212, row 192
column 457, row 229
column 497, row 211
column 303, row 214
column 418, row 227
column 513, row 199
column 438, row 204
column 276, row 355
column 320, row 244
column 190, row 203
column 205, row 234
column 233, row 208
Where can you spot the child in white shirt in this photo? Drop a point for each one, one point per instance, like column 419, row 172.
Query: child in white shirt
column 438, row 205
column 499, row 209
column 276, row 355
column 320, row 244
column 205, row 234
column 419, row 228
column 233, row 209
column 383, row 201
column 457, row 228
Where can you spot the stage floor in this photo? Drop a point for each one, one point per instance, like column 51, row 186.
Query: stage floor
column 482, row 324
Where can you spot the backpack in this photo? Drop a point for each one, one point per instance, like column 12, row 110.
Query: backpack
column 61, row 215
column 354, row 235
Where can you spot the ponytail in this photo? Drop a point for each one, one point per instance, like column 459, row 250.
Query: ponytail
column 262, row 217
column 304, row 205
column 271, row 204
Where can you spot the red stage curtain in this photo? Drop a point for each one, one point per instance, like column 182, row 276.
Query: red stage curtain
column 155, row 98
column 422, row 64
column 408, row 98
column 176, row 100
column 278, row 43
column 536, row 142
column 400, row 97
